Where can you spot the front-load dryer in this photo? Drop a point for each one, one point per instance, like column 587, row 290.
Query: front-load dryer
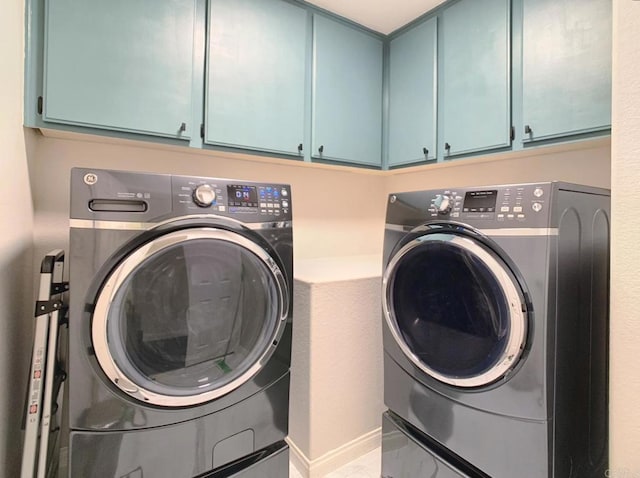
column 495, row 331
column 179, row 326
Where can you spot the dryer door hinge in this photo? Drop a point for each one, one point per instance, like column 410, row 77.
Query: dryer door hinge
column 512, row 133
column 39, row 106
column 202, row 130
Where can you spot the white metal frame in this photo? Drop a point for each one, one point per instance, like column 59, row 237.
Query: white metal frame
column 40, row 397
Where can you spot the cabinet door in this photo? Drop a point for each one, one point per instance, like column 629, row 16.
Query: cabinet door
column 566, row 57
column 347, row 93
column 476, row 80
column 256, row 75
column 412, row 95
column 120, row 65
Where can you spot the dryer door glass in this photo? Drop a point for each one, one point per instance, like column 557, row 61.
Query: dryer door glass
column 455, row 309
column 190, row 316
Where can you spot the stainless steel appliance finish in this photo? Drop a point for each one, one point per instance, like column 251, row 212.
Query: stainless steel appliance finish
column 495, row 329
column 179, row 326
column 405, row 455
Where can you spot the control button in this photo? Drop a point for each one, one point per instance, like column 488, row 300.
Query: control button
column 500, row 217
column 442, row 203
column 520, row 216
column 276, row 205
column 263, row 204
column 517, row 208
column 222, row 208
column 536, row 206
column 455, row 214
column 284, row 192
column 284, row 203
column 204, row 195
column 509, row 216
column 504, row 209
column 269, row 204
column 538, row 192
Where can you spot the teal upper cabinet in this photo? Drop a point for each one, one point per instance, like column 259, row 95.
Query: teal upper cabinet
column 566, row 56
column 119, row 65
column 475, row 79
column 412, row 95
column 255, row 86
column 347, row 93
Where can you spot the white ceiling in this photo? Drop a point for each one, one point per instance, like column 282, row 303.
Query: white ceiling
column 383, row 16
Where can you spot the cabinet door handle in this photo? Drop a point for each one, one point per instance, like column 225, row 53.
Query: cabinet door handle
column 300, row 148
column 321, row 149
column 447, row 146
column 183, row 127
column 527, row 129
column 425, row 151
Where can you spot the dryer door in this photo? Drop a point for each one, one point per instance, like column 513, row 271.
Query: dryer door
column 189, row 316
column 455, row 309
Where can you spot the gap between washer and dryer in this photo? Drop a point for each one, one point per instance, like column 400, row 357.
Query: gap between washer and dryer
column 366, row 466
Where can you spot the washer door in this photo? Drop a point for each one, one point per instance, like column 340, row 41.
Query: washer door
column 189, row 316
column 455, row 309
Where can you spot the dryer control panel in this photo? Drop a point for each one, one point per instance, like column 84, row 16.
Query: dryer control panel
column 149, row 198
column 247, row 201
column 504, row 204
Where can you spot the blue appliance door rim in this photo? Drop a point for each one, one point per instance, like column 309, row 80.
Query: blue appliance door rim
column 507, row 283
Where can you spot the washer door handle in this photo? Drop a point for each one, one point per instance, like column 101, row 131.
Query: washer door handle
column 126, row 384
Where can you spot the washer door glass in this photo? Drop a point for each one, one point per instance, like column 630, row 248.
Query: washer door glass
column 455, row 309
column 189, row 316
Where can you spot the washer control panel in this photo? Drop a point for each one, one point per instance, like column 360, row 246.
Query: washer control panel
column 249, row 200
column 517, row 204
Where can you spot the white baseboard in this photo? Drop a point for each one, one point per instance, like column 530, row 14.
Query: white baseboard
column 298, row 459
column 331, row 461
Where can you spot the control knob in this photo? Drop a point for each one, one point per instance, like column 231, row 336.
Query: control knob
column 204, row 195
column 442, row 204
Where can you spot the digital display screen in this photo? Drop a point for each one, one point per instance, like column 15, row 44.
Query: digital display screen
column 242, row 196
column 480, row 201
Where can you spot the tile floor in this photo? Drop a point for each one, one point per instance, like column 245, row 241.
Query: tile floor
column 367, row 466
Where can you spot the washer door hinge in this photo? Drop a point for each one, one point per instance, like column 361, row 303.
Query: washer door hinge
column 202, row 130
column 39, row 106
column 512, row 134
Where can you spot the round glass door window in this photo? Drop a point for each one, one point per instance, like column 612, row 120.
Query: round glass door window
column 189, row 316
column 455, row 309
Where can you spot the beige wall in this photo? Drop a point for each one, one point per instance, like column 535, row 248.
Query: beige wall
column 16, row 224
column 336, row 369
column 625, row 264
column 336, row 210
column 585, row 163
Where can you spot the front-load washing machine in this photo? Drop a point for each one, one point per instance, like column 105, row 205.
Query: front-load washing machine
column 495, row 330
column 179, row 326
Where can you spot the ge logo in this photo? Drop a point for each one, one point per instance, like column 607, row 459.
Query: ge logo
column 90, row 179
